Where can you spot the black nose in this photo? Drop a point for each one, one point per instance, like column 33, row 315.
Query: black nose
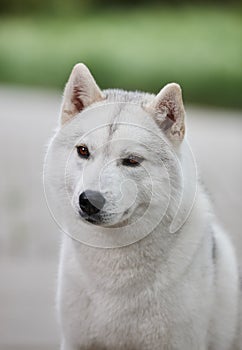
column 91, row 202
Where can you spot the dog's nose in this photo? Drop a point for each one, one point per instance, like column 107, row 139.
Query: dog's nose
column 91, row 202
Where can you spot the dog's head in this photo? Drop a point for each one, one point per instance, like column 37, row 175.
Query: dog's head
column 122, row 149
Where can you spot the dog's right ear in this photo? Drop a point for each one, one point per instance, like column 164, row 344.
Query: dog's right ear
column 81, row 91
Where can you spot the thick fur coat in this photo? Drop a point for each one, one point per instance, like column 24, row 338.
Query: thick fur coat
column 126, row 280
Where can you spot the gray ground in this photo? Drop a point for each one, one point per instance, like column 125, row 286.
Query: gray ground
column 29, row 239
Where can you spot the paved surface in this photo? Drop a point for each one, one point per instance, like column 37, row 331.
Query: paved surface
column 29, row 240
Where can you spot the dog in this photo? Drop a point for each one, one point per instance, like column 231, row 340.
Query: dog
column 144, row 265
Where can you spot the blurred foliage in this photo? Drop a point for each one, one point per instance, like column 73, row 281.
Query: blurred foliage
column 78, row 6
column 133, row 48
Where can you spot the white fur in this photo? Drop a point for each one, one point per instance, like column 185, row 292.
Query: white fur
column 166, row 291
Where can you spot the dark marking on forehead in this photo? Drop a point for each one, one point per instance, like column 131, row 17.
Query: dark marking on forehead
column 114, row 123
column 113, row 126
column 214, row 248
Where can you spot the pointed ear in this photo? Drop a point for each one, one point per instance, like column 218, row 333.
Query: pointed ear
column 168, row 111
column 81, row 91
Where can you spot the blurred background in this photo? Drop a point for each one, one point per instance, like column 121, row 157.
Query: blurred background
column 126, row 44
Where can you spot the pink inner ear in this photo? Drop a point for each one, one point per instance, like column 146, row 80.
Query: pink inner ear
column 170, row 109
column 76, row 98
column 170, row 115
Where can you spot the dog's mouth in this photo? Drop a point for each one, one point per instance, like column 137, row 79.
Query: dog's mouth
column 100, row 219
column 94, row 219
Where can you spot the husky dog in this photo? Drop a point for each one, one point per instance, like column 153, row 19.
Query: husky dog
column 129, row 281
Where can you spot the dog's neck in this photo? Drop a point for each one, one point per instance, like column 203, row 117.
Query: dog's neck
column 161, row 252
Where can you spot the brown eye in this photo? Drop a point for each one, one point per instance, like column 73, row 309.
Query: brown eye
column 132, row 161
column 83, row 151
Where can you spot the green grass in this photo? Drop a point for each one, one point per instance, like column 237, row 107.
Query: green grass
column 143, row 49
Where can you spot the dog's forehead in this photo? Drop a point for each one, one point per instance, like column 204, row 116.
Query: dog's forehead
column 134, row 126
column 116, row 121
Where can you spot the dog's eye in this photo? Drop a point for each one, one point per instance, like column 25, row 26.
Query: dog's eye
column 83, row 151
column 132, row 161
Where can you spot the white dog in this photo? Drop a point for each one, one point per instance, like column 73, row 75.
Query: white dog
column 144, row 265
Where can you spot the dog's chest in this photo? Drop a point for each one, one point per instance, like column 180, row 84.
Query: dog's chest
column 128, row 323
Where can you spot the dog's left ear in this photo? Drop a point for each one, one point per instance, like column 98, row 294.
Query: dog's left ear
column 168, row 111
column 80, row 92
